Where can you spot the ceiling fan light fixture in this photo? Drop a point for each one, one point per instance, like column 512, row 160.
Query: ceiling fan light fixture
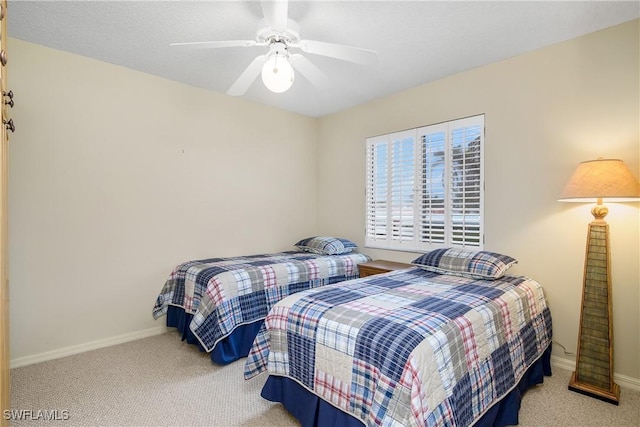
column 280, row 34
column 277, row 73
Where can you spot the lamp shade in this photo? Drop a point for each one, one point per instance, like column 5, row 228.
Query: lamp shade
column 277, row 73
column 601, row 179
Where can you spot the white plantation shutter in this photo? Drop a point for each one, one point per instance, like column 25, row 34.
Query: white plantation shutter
column 377, row 190
column 402, row 188
column 433, row 185
column 425, row 187
column 465, row 180
column 390, row 191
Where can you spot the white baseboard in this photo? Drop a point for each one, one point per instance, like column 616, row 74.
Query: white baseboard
column 81, row 348
column 623, row 381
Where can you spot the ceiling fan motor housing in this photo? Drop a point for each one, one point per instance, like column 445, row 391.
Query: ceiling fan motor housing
column 278, row 48
column 266, row 34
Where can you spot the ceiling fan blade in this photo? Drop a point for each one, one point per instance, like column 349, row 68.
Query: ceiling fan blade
column 247, row 77
column 346, row 53
column 275, row 14
column 310, row 71
column 216, row 44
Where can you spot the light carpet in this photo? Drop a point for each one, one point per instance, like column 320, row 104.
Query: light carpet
column 162, row 381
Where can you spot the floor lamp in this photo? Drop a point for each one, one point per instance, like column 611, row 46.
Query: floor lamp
column 595, row 180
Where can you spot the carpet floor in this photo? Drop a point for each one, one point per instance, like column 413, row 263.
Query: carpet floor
column 162, row 381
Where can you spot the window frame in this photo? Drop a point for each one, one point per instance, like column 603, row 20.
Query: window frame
column 377, row 212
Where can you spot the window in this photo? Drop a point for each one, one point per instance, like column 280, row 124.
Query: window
column 425, row 187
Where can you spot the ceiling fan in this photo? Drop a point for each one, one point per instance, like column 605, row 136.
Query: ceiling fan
column 280, row 34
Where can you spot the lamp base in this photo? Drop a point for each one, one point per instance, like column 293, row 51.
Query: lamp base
column 610, row 396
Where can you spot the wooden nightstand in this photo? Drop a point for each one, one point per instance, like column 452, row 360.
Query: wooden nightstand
column 380, row 266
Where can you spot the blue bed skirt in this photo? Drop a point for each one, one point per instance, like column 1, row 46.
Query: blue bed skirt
column 312, row 411
column 233, row 347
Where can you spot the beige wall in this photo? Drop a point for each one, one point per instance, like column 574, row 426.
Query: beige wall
column 116, row 176
column 544, row 113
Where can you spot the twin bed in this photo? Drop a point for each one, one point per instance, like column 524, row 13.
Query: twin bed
column 453, row 341
column 219, row 304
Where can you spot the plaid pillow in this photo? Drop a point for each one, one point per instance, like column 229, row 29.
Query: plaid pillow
column 466, row 263
column 326, row 245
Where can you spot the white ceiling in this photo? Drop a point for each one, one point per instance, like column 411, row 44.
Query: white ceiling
column 417, row 41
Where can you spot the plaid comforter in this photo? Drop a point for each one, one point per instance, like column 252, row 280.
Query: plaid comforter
column 223, row 293
column 407, row 348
